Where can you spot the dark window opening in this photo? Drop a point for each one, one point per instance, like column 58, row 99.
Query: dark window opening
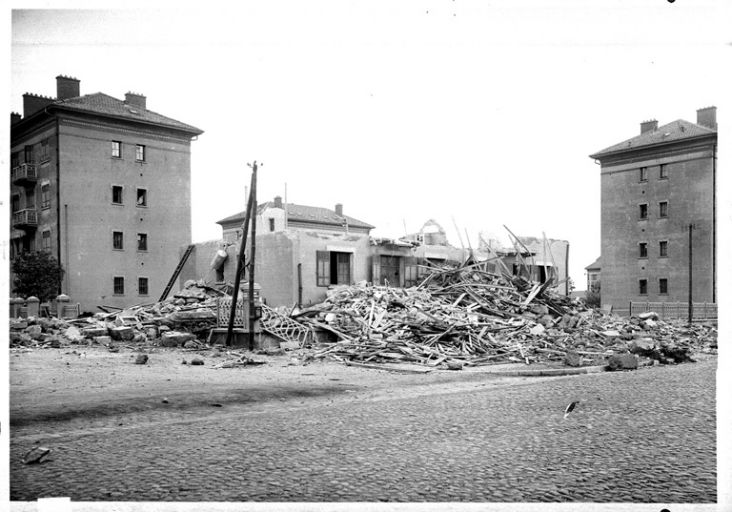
column 333, row 268
column 663, row 209
column 643, row 287
column 119, row 285
column 142, row 286
column 271, row 224
column 663, row 286
column 644, row 174
column 117, row 196
column 142, row 241
column 663, row 249
column 46, row 196
column 643, row 211
column 117, row 240
column 141, row 197
column 46, row 241
column 28, row 154
column 662, row 172
column 15, row 202
column 643, row 250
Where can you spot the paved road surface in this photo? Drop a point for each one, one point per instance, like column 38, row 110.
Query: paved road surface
column 643, row 436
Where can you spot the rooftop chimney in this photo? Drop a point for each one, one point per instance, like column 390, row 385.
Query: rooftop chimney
column 32, row 103
column 278, row 202
column 14, row 118
column 136, row 100
column 339, row 209
column 649, row 126
column 707, row 117
column 67, row 87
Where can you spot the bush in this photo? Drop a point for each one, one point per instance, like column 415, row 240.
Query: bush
column 592, row 296
column 38, row 274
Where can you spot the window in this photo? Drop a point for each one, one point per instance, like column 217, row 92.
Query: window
column 643, row 173
column 117, row 196
column 14, row 160
column 663, row 209
column 142, row 241
column 141, row 197
column 333, row 268
column 30, row 198
column 15, row 202
column 140, row 153
column 662, row 172
column 643, row 286
column 663, row 286
column 116, row 149
column 119, row 285
column 643, row 250
column 45, row 195
column 663, row 249
column 643, row 211
column 142, row 285
column 117, row 240
column 46, row 241
column 271, row 224
column 45, row 156
column 28, row 154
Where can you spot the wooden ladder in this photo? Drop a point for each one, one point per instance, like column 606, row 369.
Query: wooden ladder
column 176, row 272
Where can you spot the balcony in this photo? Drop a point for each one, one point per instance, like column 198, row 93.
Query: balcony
column 25, row 219
column 25, row 174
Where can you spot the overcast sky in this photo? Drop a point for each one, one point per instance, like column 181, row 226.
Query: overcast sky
column 474, row 113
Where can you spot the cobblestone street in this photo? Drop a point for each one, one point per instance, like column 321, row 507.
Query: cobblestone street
column 642, row 436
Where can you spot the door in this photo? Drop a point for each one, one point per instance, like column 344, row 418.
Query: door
column 390, row 271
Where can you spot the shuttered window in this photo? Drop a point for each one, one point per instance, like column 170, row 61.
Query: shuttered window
column 323, row 268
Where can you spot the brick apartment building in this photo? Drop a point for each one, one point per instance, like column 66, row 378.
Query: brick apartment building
column 104, row 185
column 653, row 187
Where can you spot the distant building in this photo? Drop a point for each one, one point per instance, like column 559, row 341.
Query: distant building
column 593, row 272
column 654, row 186
column 103, row 185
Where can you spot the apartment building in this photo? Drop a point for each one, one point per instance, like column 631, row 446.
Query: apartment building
column 103, row 184
column 658, row 206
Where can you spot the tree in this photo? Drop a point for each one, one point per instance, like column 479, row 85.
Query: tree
column 38, row 274
column 592, row 296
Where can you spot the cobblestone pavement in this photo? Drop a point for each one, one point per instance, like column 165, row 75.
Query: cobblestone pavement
column 643, row 436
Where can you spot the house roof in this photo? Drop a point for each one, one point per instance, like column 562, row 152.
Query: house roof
column 595, row 265
column 301, row 213
column 674, row 131
column 103, row 104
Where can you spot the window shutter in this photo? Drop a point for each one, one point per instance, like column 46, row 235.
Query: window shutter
column 375, row 269
column 322, row 268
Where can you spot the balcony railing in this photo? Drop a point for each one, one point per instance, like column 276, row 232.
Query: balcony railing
column 27, row 218
column 24, row 174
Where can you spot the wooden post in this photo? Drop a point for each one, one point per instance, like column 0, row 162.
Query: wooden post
column 239, row 268
column 691, row 254
column 253, row 245
column 299, row 285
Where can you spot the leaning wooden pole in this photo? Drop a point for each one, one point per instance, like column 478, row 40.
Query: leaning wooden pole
column 252, row 250
column 239, row 266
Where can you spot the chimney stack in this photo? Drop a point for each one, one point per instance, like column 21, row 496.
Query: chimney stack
column 67, row 87
column 14, row 118
column 707, row 117
column 649, row 126
column 32, row 103
column 339, row 209
column 278, row 202
column 136, row 100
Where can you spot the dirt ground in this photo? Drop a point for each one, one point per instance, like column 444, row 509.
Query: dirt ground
column 81, row 382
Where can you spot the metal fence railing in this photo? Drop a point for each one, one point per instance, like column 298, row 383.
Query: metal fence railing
column 701, row 311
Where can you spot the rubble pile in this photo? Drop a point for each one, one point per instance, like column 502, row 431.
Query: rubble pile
column 469, row 316
column 177, row 321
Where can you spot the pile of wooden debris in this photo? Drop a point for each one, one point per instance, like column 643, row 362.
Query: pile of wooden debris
column 472, row 316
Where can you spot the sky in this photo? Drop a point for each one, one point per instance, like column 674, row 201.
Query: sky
column 477, row 114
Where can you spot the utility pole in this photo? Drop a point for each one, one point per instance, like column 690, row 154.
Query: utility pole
column 253, row 245
column 691, row 254
column 240, row 262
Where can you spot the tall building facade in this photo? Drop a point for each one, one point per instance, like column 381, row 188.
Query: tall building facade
column 658, row 206
column 103, row 185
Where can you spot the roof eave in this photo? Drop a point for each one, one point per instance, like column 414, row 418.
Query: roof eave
column 604, row 154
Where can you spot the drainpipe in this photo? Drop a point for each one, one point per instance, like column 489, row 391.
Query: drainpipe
column 58, row 213
column 66, row 247
column 714, row 223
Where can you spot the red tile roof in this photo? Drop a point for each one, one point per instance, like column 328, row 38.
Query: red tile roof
column 677, row 130
column 301, row 213
column 100, row 103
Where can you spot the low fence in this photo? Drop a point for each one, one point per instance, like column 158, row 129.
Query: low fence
column 701, row 311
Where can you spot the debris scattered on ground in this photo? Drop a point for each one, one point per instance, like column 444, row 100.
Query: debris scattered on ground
column 36, row 455
column 473, row 315
column 141, row 359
